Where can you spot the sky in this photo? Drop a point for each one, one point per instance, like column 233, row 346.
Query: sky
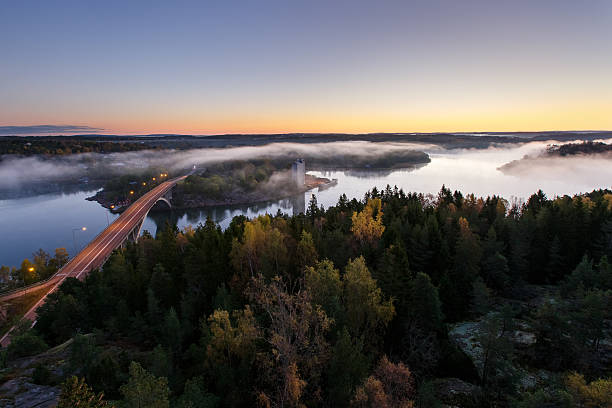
column 267, row 66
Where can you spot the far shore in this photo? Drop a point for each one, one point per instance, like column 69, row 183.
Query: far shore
column 232, row 198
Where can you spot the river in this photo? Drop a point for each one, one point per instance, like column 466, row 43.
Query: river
column 49, row 221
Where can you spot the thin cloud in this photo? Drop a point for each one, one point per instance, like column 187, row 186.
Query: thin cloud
column 38, row 130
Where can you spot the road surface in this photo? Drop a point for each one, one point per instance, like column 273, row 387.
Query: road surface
column 97, row 251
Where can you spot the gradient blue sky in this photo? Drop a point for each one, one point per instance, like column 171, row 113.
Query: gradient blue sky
column 307, row 66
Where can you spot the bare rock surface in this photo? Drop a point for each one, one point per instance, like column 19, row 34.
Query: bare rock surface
column 21, row 393
column 17, row 389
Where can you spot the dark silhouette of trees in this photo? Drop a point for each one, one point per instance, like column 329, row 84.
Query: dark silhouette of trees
column 299, row 311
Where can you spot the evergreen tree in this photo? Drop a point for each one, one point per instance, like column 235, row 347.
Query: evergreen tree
column 347, row 368
column 393, row 276
column 555, row 266
column 466, row 267
column 424, row 304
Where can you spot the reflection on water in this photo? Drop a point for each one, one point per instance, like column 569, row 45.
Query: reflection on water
column 46, row 221
column 375, row 173
column 222, row 215
column 40, row 188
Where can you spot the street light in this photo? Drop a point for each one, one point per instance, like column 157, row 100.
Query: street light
column 112, row 207
column 74, row 238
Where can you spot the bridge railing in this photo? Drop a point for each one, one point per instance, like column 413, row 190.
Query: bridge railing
column 22, row 290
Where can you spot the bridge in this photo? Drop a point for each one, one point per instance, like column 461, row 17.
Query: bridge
column 125, row 228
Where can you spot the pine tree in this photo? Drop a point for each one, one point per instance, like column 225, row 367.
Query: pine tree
column 555, row 266
column 347, row 368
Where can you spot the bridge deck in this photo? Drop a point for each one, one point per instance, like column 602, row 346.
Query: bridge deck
column 99, row 249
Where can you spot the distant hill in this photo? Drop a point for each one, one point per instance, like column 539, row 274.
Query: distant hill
column 474, row 140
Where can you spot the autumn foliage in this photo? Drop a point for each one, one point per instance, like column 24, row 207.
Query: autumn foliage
column 368, row 224
column 390, row 386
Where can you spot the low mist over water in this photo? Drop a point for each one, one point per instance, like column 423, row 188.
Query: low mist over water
column 46, row 221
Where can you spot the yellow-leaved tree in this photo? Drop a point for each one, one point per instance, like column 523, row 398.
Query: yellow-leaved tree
column 368, row 224
column 597, row 393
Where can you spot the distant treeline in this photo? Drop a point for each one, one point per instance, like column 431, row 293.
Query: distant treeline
column 64, row 146
column 570, row 149
column 447, row 140
column 349, row 306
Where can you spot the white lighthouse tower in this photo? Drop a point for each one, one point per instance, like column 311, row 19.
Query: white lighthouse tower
column 298, row 171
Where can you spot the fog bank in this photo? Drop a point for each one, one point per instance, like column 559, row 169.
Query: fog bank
column 17, row 170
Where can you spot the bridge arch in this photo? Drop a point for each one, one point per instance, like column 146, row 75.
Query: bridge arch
column 133, row 236
column 161, row 199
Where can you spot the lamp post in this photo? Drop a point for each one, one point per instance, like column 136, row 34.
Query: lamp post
column 74, row 238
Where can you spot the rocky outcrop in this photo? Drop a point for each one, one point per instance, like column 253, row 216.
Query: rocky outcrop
column 17, row 387
column 454, row 392
column 19, row 392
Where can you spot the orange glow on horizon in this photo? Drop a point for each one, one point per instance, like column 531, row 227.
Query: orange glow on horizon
column 512, row 115
column 519, row 120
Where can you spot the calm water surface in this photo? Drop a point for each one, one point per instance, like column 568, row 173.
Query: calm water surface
column 48, row 221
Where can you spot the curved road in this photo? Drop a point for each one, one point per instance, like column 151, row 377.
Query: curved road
column 97, row 251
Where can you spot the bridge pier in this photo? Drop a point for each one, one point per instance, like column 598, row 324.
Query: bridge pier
column 135, row 233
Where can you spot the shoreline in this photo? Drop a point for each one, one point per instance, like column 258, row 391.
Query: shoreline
column 236, row 198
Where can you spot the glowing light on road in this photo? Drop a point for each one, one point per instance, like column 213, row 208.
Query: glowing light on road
column 97, row 251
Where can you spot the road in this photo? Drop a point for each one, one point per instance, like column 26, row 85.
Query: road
column 100, row 248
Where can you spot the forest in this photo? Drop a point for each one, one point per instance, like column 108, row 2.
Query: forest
column 570, row 149
column 225, row 179
column 365, row 304
column 61, row 146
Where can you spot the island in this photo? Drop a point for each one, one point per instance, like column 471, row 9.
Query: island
column 251, row 181
column 559, row 155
